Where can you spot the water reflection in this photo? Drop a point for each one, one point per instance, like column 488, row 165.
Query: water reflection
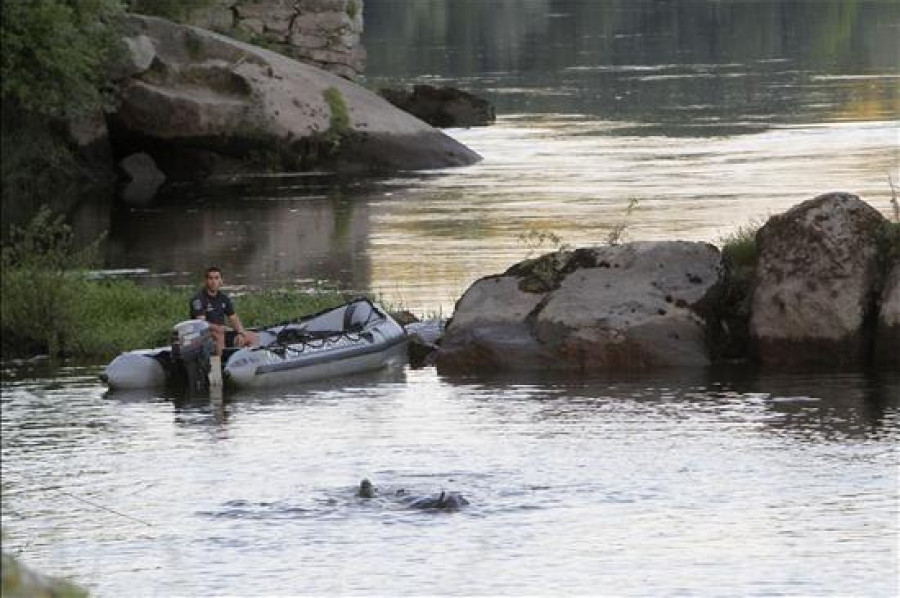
column 814, row 405
column 663, row 62
column 849, row 405
column 267, row 236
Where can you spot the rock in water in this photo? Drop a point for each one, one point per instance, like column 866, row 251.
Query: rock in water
column 366, row 489
column 445, row 501
column 442, row 106
column 598, row 309
column 816, row 283
column 208, row 104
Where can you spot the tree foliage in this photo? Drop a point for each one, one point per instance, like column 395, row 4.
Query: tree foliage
column 53, row 52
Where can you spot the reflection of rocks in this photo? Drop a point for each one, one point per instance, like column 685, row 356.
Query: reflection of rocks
column 600, row 309
column 816, row 283
column 208, row 104
column 822, row 404
column 144, row 179
column 265, row 243
column 442, row 106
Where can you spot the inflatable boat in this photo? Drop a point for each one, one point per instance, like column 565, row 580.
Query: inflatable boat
column 355, row 337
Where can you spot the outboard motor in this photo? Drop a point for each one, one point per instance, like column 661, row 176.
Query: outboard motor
column 192, row 346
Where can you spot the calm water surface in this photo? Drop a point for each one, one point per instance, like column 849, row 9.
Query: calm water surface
column 705, row 483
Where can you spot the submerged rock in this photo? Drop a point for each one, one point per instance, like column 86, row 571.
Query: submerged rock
column 816, row 283
column 366, row 489
column 442, row 106
column 445, row 501
column 599, row 309
column 208, row 104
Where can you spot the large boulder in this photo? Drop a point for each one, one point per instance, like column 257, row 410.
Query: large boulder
column 591, row 310
column 208, row 104
column 887, row 344
column 816, row 283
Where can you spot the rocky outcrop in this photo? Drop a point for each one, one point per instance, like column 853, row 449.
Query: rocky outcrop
column 208, row 104
column 887, row 342
column 590, row 310
column 442, row 106
column 325, row 33
column 816, row 283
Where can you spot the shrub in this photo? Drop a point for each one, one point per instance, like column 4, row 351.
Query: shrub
column 38, row 307
column 53, row 54
column 739, row 249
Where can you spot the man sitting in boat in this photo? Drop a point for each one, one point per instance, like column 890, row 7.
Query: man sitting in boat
column 213, row 305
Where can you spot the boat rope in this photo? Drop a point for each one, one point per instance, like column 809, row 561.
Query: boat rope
column 300, row 344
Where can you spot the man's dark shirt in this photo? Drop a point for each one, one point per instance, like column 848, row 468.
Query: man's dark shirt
column 215, row 308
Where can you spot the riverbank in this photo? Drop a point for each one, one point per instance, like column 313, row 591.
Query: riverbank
column 100, row 318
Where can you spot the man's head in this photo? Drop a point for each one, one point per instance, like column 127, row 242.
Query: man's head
column 213, row 279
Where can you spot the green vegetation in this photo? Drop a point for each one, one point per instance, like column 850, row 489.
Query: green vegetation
column 53, row 54
column 616, row 233
column 353, row 9
column 105, row 317
column 175, row 10
column 340, row 118
column 51, row 74
column 38, row 307
column 534, row 239
column 50, row 306
column 739, row 248
column 20, row 581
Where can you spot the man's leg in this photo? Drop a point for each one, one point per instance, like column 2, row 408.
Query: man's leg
column 218, row 332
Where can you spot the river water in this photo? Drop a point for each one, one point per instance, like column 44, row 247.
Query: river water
column 695, row 482
column 704, row 483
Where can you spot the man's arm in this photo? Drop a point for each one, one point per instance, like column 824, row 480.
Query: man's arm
column 236, row 324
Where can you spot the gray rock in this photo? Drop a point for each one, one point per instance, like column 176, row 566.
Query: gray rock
column 601, row 309
column 445, row 501
column 136, row 58
column 294, row 27
column 887, row 342
column 144, row 179
column 214, row 105
column 366, row 489
column 442, row 106
column 816, row 282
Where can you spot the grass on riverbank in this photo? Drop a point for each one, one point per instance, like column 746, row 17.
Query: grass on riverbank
column 99, row 319
column 739, row 248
